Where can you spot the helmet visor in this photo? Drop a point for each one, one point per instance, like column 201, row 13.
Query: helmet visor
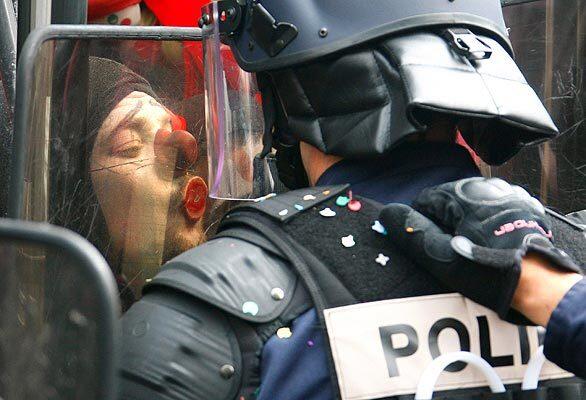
column 234, row 120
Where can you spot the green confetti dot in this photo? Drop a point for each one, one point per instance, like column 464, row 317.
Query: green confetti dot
column 342, row 201
column 112, row 19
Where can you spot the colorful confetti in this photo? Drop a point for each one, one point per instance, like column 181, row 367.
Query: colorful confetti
column 382, row 259
column 348, row 241
column 327, row 212
column 342, row 201
column 379, row 228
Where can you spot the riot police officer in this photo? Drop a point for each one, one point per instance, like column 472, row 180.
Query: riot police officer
column 300, row 296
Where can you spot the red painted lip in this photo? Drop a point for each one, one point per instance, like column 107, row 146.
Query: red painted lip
column 195, row 196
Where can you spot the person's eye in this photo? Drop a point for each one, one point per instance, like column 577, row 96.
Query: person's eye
column 126, row 144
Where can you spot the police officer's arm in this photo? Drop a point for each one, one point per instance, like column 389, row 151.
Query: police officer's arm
column 541, row 288
column 555, row 299
column 499, row 254
column 177, row 347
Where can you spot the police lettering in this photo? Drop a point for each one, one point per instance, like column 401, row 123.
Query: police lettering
column 408, row 333
column 392, row 353
column 460, row 329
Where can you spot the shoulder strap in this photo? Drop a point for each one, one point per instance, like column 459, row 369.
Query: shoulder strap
column 324, row 288
column 233, row 275
column 579, row 218
column 284, row 207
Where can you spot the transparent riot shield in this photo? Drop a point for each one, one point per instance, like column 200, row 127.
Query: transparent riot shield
column 7, row 78
column 549, row 41
column 58, row 326
column 111, row 143
column 234, row 118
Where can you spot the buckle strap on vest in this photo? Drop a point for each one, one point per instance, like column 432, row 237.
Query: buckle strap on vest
column 250, row 345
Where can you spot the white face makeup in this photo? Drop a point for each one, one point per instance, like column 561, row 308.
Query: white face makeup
column 154, row 209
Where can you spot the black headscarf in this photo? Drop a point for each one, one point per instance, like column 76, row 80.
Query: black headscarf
column 77, row 116
column 109, row 83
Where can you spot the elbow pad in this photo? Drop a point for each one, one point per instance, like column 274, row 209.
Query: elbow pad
column 175, row 347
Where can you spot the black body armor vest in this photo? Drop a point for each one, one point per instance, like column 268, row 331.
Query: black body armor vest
column 301, row 252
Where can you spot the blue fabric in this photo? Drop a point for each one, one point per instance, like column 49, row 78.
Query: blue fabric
column 295, row 368
column 292, row 370
column 565, row 338
column 400, row 176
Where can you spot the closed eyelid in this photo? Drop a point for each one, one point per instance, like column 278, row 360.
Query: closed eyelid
column 122, row 139
column 144, row 121
column 142, row 126
column 137, row 125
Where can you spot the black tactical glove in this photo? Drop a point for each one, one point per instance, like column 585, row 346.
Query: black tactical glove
column 489, row 226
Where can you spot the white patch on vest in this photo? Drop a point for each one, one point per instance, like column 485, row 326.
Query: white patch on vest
column 376, row 354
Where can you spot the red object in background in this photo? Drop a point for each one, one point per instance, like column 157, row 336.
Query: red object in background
column 187, row 13
column 177, row 12
column 184, row 13
column 460, row 140
column 101, row 8
column 193, row 61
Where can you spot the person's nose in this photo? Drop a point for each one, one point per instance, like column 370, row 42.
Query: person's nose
column 177, row 149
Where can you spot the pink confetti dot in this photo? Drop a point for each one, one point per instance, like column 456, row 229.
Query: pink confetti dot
column 354, row 205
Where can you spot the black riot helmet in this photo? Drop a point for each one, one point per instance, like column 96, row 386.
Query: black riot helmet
column 355, row 79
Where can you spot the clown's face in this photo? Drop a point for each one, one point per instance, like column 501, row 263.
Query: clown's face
column 150, row 184
column 130, row 15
